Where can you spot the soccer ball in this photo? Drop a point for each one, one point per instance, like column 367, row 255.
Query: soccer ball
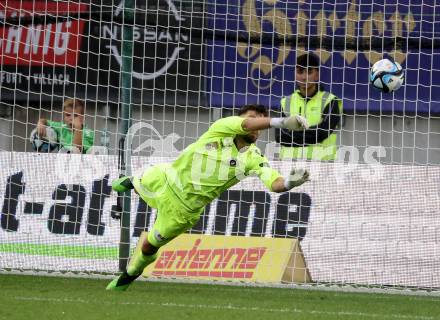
column 44, row 144
column 386, row 75
column 69, row 149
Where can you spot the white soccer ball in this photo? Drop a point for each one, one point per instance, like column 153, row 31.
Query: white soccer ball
column 69, row 149
column 44, row 144
column 386, row 75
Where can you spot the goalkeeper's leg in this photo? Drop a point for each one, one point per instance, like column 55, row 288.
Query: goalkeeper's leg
column 140, row 259
column 163, row 231
column 142, row 256
column 172, row 220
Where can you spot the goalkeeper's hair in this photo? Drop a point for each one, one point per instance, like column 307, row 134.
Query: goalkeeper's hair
column 258, row 108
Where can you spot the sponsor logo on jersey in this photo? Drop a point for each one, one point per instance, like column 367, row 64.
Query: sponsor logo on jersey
column 211, row 146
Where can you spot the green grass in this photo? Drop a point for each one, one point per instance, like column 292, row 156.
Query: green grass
column 32, row 297
column 54, row 250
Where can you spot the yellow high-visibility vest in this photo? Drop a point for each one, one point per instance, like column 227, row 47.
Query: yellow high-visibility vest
column 312, row 111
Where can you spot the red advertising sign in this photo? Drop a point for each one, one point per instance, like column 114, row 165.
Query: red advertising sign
column 50, row 50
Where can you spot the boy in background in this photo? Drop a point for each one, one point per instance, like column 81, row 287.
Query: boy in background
column 72, row 133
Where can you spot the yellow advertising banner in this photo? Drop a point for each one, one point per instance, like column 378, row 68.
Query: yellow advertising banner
column 230, row 258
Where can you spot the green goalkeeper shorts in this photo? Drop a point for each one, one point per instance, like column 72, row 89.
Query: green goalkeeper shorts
column 173, row 217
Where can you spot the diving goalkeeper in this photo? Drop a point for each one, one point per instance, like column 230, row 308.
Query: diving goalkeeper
column 219, row 159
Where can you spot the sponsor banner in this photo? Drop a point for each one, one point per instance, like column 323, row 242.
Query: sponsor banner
column 365, row 224
column 167, row 60
column 74, row 194
column 67, row 203
column 40, row 47
column 69, row 51
column 223, row 258
column 41, row 44
column 240, row 71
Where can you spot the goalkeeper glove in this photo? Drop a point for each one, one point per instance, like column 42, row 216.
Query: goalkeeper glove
column 296, row 122
column 296, row 178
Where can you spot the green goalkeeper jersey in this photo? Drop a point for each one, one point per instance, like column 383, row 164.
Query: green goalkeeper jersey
column 213, row 164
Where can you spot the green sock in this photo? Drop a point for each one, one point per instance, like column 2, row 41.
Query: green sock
column 138, row 262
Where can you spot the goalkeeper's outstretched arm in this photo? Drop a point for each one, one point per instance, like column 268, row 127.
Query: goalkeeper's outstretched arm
column 296, row 178
column 296, row 122
column 273, row 180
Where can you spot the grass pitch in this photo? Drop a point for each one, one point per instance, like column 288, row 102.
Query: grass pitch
column 32, row 297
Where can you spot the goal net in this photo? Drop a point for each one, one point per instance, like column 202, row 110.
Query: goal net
column 369, row 218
